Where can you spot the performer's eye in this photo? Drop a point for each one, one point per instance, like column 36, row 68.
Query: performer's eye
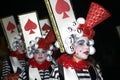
column 40, row 51
column 43, row 51
column 36, row 51
column 88, row 43
column 80, row 42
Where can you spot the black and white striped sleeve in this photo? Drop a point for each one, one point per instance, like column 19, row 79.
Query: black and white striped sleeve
column 55, row 73
column 6, row 68
column 23, row 75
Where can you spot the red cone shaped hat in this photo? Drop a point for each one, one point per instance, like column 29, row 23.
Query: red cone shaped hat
column 96, row 15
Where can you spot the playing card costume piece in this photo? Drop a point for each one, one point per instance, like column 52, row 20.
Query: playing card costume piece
column 10, row 29
column 40, row 59
column 45, row 26
column 75, row 64
column 29, row 26
column 14, row 63
column 61, row 14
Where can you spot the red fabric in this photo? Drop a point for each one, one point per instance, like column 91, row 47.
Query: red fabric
column 87, row 31
column 50, row 38
column 45, row 43
column 45, row 65
column 67, row 61
column 42, row 44
column 17, row 55
column 96, row 15
column 13, row 76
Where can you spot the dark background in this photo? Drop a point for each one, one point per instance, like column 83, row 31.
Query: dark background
column 107, row 41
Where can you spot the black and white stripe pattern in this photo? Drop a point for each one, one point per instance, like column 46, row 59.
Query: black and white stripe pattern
column 44, row 74
column 82, row 75
column 55, row 73
column 7, row 68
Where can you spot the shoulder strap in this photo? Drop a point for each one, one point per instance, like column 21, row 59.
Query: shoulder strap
column 94, row 73
column 27, row 71
column 50, row 69
column 61, row 73
column 9, row 62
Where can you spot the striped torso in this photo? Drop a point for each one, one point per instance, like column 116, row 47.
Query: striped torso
column 83, row 74
column 7, row 68
column 44, row 74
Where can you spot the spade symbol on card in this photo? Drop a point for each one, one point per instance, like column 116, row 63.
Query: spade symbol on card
column 29, row 26
column 62, row 7
column 46, row 28
column 10, row 27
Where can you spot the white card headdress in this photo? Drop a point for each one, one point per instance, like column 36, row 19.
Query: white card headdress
column 30, row 27
column 10, row 29
column 61, row 14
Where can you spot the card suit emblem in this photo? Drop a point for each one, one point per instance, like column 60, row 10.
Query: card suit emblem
column 10, row 27
column 46, row 28
column 30, row 26
column 62, row 7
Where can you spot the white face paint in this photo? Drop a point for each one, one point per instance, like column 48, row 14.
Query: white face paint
column 20, row 48
column 40, row 56
column 82, row 48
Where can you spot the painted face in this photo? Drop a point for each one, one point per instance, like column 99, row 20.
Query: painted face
column 82, row 48
column 20, row 48
column 40, row 56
